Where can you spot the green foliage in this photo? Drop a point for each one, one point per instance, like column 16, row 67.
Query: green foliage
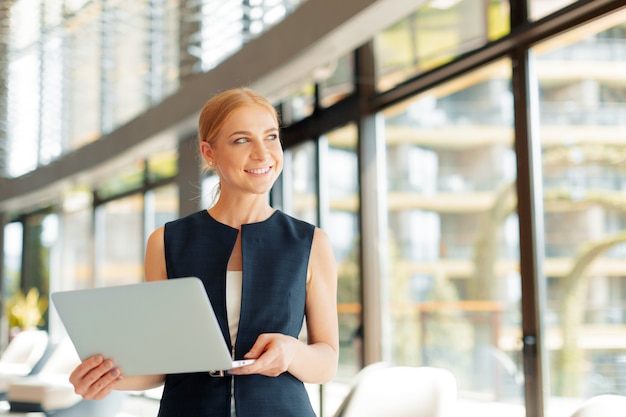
column 26, row 311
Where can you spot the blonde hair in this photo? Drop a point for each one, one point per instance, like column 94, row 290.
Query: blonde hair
column 219, row 107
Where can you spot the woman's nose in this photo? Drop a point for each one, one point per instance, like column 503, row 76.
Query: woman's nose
column 260, row 151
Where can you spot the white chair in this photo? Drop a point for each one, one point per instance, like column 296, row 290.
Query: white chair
column 605, row 405
column 21, row 356
column 50, row 391
column 50, row 388
column 400, row 391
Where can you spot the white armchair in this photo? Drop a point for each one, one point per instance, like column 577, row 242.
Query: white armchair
column 606, row 405
column 50, row 388
column 21, row 356
column 401, row 391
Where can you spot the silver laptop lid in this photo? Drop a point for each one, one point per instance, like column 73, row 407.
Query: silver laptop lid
column 149, row 328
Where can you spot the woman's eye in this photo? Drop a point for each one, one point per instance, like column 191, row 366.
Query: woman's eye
column 241, row 140
column 272, row 137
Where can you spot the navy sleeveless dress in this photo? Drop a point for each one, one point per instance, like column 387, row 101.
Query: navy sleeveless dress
column 275, row 259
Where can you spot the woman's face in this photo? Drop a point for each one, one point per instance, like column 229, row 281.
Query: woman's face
column 247, row 154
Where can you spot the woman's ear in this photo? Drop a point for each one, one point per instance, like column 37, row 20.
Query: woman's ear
column 207, row 152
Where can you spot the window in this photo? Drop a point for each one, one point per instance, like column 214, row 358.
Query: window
column 452, row 291
column 119, row 261
column 542, row 8
column 127, row 179
column 335, row 80
column 12, row 267
column 78, row 238
column 343, row 228
column 438, row 32
column 300, row 182
column 582, row 120
column 76, row 69
column 227, row 25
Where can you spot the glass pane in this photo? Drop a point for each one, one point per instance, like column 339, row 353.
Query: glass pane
column 127, row 53
column 162, row 165
column 343, row 228
column 222, row 31
column 25, row 23
column 41, row 243
column 438, row 32
column 453, row 285
column 52, row 13
column 299, row 104
column 12, row 262
column 165, row 54
column 128, row 180
column 120, row 261
column 161, row 206
column 335, row 80
column 583, row 141
column 22, row 110
column 542, row 8
column 300, row 182
column 210, row 190
column 84, row 67
column 229, row 24
column 23, row 86
column 52, row 117
column 77, row 231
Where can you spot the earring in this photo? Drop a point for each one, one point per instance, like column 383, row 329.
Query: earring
column 210, row 163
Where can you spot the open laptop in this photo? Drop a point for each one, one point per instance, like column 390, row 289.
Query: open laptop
column 157, row 327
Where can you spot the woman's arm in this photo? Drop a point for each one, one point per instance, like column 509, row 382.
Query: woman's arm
column 316, row 361
column 97, row 376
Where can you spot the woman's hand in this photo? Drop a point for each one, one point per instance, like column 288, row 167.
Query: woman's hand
column 95, row 377
column 273, row 353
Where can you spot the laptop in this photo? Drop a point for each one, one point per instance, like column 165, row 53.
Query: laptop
column 158, row 327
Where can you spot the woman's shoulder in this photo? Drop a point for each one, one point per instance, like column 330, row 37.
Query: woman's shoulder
column 189, row 219
column 281, row 215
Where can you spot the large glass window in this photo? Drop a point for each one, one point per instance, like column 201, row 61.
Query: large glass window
column 438, row 32
column 300, row 182
column 119, row 261
column 78, row 68
column 340, row 171
column 582, row 114
column 453, row 284
column 342, row 225
column 77, row 234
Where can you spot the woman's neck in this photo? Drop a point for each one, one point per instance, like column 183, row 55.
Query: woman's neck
column 236, row 213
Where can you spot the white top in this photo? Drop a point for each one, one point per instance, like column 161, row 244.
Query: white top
column 234, row 281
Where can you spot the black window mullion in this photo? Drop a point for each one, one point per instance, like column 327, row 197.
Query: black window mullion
column 530, row 212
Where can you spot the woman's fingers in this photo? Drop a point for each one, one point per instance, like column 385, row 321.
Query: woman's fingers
column 93, row 379
column 273, row 353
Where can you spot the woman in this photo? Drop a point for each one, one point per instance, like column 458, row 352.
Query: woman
column 263, row 270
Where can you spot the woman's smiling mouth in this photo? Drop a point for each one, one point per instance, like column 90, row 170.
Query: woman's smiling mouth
column 259, row 171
